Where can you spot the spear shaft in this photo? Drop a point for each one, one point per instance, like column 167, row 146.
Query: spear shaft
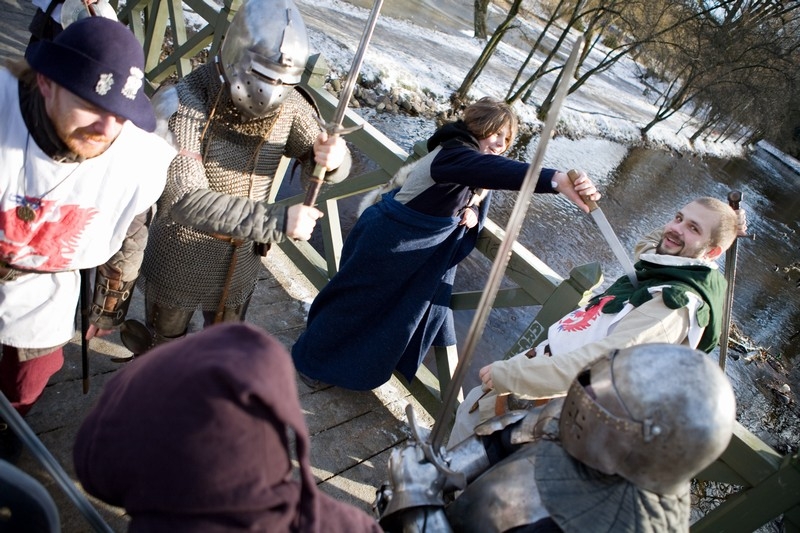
column 504, row 251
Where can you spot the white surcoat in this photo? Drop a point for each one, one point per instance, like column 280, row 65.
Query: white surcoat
column 82, row 220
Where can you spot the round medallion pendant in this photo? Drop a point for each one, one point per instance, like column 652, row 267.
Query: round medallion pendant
column 25, row 213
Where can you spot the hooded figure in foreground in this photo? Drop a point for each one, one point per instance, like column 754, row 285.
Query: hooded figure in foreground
column 195, row 438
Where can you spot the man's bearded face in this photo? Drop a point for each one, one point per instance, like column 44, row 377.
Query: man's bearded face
column 87, row 130
column 689, row 233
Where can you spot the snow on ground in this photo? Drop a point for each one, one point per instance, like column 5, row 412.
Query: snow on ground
column 406, row 56
column 430, row 49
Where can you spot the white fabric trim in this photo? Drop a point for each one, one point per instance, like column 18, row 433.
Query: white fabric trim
column 675, row 260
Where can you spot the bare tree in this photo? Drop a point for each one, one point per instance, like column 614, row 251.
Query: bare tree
column 572, row 14
column 460, row 95
column 740, row 67
column 642, row 26
column 481, row 13
column 733, row 63
column 534, row 49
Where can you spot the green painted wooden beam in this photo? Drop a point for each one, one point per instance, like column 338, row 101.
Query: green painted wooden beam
column 524, row 268
column 425, row 389
column 178, row 26
column 751, row 508
column 514, row 297
column 307, row 260
column 331, row 235
column 446, row 358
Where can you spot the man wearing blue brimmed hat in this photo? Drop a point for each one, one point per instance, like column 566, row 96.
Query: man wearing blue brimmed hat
column 80, row 169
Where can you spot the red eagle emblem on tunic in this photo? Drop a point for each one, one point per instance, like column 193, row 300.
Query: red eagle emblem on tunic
column 52, row 241
column 583, row 318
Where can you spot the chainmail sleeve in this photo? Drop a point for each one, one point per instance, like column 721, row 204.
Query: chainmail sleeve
column 239, row 218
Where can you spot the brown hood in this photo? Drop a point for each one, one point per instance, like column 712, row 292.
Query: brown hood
column 193, row 436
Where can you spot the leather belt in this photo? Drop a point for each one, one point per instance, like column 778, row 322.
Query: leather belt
column 9, row 273
column 227, row 238
column 509, row 402
column 259, row 248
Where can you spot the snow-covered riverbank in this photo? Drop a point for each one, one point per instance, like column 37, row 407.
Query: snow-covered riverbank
column 427, row 58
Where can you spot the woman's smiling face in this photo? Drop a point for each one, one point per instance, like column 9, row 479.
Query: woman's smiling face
column 497, row 143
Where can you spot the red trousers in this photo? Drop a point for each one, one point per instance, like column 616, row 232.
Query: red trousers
column 24, row 381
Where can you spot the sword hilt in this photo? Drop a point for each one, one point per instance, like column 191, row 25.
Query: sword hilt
column 315, row 185
column 734, row 197
column 318, row 176
column 573, row 176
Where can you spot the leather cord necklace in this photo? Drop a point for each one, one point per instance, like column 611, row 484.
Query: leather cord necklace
column 28, row 207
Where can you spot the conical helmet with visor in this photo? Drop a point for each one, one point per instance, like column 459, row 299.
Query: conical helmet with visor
column 263, row 55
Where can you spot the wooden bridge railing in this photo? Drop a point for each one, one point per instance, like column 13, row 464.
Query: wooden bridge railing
column 770, row 482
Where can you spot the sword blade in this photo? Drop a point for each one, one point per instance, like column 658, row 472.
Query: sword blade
column 608, row 234
column 335, row 125
column 616, row 246
column 734, row 197
column 513, row 227
column 355, row 69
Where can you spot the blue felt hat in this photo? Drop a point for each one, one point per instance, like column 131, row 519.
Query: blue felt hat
column 99, row 60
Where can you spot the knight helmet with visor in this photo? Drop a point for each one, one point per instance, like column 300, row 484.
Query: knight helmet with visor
column 654, row 414
column 263, row 55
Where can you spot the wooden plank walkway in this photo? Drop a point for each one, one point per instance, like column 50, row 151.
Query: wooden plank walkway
column 352, row 433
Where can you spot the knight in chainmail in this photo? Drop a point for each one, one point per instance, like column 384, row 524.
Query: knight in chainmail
column 233, row 119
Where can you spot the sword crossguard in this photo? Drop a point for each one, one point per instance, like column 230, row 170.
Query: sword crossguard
column 458, row 479
column 336, row 129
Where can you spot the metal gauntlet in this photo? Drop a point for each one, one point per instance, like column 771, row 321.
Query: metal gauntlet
column 112, row 297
